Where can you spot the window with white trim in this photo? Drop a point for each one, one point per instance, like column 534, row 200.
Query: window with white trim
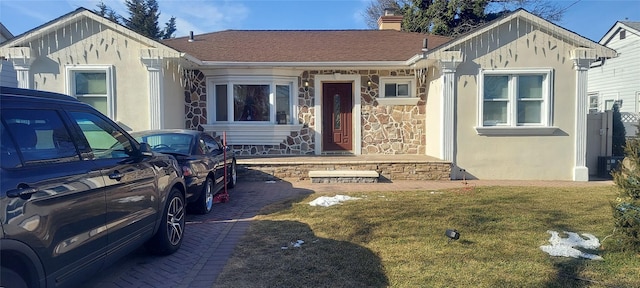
column 513, row 98
column 92, row 85
column 251, row 100
column 593, row 102
column 397, row 87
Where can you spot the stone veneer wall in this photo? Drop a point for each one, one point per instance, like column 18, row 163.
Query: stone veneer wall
column 391, row 171
column 195, row 99
column 390, row 129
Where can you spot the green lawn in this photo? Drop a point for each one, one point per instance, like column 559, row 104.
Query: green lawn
column 397, row 239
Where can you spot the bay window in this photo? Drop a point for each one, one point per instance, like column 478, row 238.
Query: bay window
column 515, row 98
column 251, row 100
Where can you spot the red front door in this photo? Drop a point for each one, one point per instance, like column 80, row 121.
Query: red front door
column 337, row 126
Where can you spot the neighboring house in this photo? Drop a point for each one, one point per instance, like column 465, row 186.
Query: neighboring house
column 505, row 101
column 7, row 74
column 617, row 79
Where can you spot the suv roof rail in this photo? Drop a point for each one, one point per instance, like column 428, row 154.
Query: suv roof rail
column 35, row 93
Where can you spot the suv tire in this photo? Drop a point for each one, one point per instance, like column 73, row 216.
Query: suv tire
column 169, row 236
column 11, row 279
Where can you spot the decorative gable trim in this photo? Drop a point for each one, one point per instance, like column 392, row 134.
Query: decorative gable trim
column 542, row 24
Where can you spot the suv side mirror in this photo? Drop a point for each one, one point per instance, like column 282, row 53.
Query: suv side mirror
column 145, row 149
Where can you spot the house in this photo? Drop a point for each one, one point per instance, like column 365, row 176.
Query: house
column 505, row 101
column 7, row 74
column 617, row 79
column 122, row 73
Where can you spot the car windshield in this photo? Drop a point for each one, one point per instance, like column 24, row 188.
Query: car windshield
column 168, row 143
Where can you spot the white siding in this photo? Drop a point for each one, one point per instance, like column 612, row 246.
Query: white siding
column 8, row 75
column 619, row 78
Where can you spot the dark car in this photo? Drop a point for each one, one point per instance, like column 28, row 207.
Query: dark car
column 202, row 159
column 77, row 192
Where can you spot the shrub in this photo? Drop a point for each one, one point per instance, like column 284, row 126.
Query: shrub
column 626, row 209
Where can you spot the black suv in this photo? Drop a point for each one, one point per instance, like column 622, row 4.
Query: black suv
column 77, row 192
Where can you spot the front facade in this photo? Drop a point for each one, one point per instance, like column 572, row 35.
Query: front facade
column 507, row 101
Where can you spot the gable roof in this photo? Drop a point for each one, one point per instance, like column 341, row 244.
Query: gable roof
column 631, row 26
column 73, row 17
column 305, row 46
column 5, row 33
column 545, row 26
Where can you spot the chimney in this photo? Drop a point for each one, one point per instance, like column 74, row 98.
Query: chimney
column 190, row 36
column 390, row 20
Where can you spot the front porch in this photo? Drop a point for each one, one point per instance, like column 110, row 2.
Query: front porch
column 390, row 167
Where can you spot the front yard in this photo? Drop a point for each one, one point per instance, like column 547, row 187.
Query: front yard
column 397, row 239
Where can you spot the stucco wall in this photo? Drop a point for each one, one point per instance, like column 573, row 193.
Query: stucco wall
column 433, row 123
column 89, row 43
column 516, row 157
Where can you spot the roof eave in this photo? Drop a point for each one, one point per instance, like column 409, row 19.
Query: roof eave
column 307, row 65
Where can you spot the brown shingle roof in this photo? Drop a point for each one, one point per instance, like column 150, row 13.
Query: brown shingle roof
column 305, row 45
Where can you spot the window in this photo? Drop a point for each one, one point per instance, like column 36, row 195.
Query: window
column 106, row 141
column 252, row 100
column 515, row 98
column 37, row 136
column 593, row 102
column 608, row 104
column 92, row 85
column 401, row 87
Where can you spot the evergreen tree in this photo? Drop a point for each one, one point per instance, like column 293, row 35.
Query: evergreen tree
column 618, row 134
column 169, row 28
column 454, row 17
column 143, row 18
column 626, row 210
column 105, row 11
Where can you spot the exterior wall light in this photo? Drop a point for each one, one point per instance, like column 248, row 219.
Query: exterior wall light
column 306, row 85
column 369, row 85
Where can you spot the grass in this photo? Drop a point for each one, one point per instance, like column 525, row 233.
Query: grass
column 396, row 239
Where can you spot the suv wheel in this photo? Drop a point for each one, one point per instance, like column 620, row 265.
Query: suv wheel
column 169, row 236
column 204, row 204
column 11, row 279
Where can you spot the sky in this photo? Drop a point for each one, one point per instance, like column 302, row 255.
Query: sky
column 589, row 18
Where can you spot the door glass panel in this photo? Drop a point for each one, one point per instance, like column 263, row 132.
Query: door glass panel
column 40, row 135
column 105, row 140
column 336, row 111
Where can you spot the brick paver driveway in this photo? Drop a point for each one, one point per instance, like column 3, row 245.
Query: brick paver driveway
column 208, row 242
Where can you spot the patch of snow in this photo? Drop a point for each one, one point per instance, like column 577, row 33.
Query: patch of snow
column 566, row 247
column 326, row 201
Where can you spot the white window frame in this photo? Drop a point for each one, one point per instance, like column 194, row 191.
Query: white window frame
column 107, row 69
column 270, row 81
column 410, row 99
column 512, row 127
column 593, row 95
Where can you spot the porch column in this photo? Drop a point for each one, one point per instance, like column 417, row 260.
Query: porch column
column 449, row 61
column 582, row 58
column 21, row 57
column 156, row 93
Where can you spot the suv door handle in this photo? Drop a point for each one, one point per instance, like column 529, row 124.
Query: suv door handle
column 23, row 193
column 116, row 175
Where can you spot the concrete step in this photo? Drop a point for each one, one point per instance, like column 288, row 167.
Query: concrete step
column 344, row 176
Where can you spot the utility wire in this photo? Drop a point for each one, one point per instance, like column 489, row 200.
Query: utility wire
column 566, row 8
